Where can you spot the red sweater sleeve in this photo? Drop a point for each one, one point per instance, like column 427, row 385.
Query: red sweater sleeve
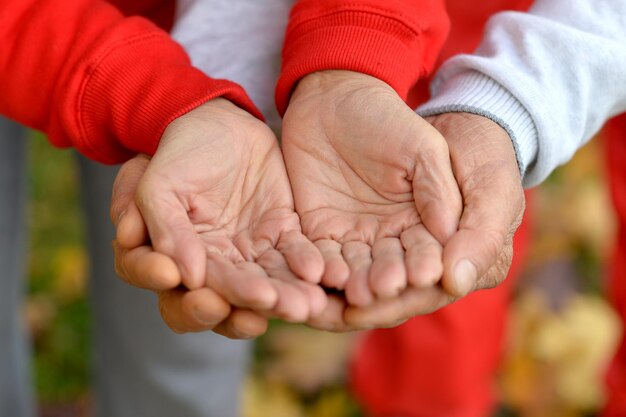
column 395, row 40
column 96, row 80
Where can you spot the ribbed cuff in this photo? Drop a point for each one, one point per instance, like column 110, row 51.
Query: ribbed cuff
column 473, row 92
column 136, row 90
column 362, row 40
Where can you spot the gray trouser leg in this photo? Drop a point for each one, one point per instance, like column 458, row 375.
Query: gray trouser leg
column 16, row 396
column 143, row 369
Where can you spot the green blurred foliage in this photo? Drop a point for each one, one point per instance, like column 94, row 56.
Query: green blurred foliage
column 58, row 314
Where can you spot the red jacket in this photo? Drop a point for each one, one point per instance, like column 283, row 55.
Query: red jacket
column 95, row 75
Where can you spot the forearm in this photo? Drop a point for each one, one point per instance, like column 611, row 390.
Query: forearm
column 550, row 77
column 96, row 80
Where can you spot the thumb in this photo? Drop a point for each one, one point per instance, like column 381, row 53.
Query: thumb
column 171, row 231
column 435, row 190
column 129, row 225
column 477, row 259
column 486, row 169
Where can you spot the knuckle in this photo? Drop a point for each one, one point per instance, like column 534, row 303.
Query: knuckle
column 115, row 210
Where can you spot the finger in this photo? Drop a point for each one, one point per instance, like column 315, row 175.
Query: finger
column 486, row 228
column 292, row 304
column 358, row 256
column 331, row 319
column 297, row 299
column 144, row 268
column 172, row 233
column 131, row 230
column 393, row 312
column 387, row 277
column 242, row 324
column 302, row 256
column 125, row 186
column 423, row 256
column 130, row 227
column 435, row 190
column 243, row 284
column 192, row 310
column 498, row 271
column 485, row 166
column 336, row 270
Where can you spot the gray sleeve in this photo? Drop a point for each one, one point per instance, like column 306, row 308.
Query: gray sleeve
column 239, row 40
column 550, row 77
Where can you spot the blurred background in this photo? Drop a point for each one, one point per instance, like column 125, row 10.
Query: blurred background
column 561, row 334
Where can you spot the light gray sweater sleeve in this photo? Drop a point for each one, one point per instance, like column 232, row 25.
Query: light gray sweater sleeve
column 239, row 40
column 550, row 77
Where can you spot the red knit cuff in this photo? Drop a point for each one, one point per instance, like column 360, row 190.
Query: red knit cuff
column 135, row 90
column 377, row 41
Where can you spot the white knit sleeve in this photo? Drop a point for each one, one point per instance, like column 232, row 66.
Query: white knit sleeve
column 550, row 77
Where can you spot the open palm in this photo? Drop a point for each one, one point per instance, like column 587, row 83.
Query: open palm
column 216, row 198
column 372, row 183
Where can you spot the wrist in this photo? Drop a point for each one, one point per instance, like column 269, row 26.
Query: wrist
column 217, row 108
column 474, row 92
column 340, row 81
column 215, row 115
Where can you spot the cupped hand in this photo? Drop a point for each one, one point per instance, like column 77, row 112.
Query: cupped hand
column 139, row 265
column 479, row 254
column 216, row 199
column 372, row 184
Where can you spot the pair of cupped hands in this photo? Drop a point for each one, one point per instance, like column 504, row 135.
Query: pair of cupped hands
column 369, row 216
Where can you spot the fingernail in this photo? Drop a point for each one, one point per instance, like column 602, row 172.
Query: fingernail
column 464, row 277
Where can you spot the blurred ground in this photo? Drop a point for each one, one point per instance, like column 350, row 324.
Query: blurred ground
column 561, row 335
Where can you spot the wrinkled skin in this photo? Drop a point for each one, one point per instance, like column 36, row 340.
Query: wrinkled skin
column 216, row 199
column 484, row 165
column 372, row 183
